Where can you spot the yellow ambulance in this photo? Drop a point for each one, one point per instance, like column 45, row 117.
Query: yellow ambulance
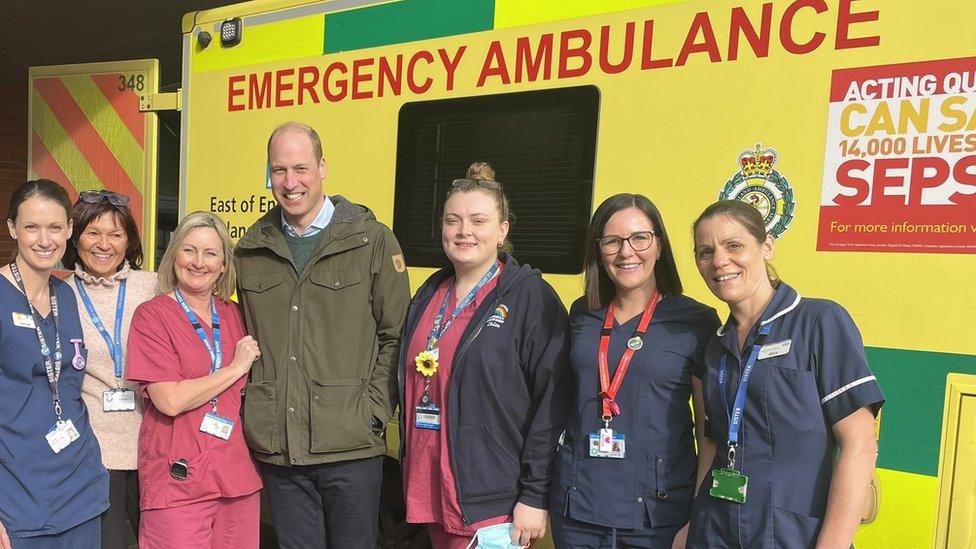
column 850, row 124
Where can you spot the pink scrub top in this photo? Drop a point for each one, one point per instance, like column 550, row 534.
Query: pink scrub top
column 428, row 481
column 163, row 346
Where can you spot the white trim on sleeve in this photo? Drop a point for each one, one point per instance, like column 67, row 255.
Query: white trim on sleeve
column 846, row 388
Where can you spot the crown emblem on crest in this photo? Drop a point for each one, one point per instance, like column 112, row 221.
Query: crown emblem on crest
column 757, row 162
column 759, row 185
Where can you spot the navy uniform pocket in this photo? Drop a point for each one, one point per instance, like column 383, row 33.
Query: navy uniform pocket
column 801, row 453
column 669, row 500
column 489, row 469
column 793, row 529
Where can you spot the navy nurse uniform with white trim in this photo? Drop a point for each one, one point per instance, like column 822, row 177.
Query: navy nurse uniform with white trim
column 42, row 494
column 786, row 443
column 643, row 499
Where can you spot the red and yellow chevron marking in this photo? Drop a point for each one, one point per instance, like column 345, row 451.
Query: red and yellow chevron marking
column 88, row 135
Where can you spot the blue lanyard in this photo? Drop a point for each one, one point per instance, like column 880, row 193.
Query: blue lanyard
column 438, row 330
column 735, row 417
column 216, row 352
column 114, row 345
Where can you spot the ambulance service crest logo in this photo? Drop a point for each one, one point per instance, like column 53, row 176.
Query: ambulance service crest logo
column 758, row 184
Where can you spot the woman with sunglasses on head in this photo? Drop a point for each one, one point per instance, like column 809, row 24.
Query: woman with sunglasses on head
column 52, row 484
column 105, row 253
column 482, row 381
column 626, row 469
column 790, row 400
column 189, row 351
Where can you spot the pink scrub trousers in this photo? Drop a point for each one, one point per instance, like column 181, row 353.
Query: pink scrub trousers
column 222, row 523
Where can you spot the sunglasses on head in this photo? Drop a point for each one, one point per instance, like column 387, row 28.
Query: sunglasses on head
column 94, row 197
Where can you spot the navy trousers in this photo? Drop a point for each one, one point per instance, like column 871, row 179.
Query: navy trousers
column 567, row 532
column 332, row 506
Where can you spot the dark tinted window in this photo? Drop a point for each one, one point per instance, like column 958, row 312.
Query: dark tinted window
column 542, row 146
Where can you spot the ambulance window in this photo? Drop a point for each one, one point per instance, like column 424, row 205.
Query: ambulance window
column 542, row 145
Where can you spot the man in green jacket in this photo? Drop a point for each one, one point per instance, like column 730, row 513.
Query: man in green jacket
column 323, row 287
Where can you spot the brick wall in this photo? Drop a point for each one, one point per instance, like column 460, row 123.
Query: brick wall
column 13, row 153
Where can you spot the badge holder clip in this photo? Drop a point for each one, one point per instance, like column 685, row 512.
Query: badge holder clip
column 729, row 484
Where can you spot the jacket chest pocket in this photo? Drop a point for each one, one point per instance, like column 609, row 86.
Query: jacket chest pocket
column 263, row 288
column 344, row 297
column 336, row 279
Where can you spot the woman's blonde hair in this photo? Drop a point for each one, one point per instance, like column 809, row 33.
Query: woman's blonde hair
column 226, row 282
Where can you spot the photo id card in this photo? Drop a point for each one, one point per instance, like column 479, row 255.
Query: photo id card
column 616, row 449
column 119, row 400
column 427, row 416
column 217, row 425
column 61, row 435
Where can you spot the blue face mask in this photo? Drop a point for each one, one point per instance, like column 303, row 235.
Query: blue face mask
column 498, row 536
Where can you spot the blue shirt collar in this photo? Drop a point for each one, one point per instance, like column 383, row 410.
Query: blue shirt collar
column 318, row 224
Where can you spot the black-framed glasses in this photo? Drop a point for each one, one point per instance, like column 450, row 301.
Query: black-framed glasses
column 639, row 242
column 94, row 197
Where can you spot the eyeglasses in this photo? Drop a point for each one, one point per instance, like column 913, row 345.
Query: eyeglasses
column 94, row 197
column 639, row 242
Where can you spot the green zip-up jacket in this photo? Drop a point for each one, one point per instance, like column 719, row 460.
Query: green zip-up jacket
column 328, row 336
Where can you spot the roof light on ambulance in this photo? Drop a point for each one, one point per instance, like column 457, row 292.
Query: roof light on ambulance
column 230, row 32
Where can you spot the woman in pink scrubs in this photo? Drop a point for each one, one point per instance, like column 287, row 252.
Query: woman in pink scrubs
column 190, row 353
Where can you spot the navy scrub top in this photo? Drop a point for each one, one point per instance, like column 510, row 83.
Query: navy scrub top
column 42, row 492
column 653, row 485
column 786, row 444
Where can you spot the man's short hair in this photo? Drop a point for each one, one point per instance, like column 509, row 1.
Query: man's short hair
column 312, row 135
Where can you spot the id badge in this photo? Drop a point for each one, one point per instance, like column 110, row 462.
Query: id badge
column 616, row 450
column 119, row 400
column 61, row 435
column 217, row 425
column 23, row 320
column 427, row 416
column 729, row 485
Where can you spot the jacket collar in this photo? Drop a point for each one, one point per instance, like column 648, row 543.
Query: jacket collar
column 347, row 219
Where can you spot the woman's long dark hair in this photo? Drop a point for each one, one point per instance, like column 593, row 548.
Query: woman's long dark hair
column 83, row 213
column 599, row 289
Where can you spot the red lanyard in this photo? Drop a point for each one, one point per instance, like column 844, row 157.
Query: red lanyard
column 608, row 390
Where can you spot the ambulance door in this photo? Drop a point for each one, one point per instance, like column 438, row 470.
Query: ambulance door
column 956, row 515
column 88, row 131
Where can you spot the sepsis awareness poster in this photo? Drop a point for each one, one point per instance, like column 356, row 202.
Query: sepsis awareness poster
column 900, row 162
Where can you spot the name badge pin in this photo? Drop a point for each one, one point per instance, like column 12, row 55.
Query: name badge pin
column 635, row 343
